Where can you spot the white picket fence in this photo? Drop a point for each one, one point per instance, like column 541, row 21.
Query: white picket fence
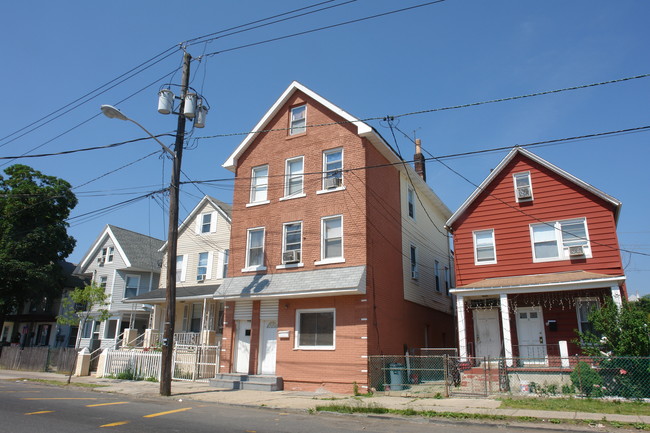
column 139, row 364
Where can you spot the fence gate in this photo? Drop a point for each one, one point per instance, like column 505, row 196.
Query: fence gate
column 472, row 377
column 195, row 363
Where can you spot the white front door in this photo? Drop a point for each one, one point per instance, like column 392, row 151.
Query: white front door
column 486, row 333
column 268, row 343
column 530, row 334
column 243, row 346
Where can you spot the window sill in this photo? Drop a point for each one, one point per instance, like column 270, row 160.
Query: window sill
column 291, row 197
column 325, row 191
column 254, row 269
column 563, row 258
column 329, row 261
column 290, row 266
column 258, row 203
column 493, row 262
column 315, row 348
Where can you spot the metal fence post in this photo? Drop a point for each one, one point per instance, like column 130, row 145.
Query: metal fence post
column 445, row 368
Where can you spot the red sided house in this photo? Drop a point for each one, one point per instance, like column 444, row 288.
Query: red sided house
column 331, row 261
column 536, row 249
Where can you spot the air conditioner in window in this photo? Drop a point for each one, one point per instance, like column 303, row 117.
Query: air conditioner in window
column 577, row 251
column 332, row 182
column 200, row 277
column 101, row 260
column 292, row 256
column 524, row 192
column 414, row 275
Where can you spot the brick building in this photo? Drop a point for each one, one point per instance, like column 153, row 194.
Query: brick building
column 338, row 250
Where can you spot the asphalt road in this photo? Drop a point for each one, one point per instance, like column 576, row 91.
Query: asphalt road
column 36, row 408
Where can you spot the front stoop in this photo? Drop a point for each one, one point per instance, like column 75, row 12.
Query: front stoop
column 249, row 382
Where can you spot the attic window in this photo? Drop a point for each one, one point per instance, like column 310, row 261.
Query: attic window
column 298, row 124
column 523, row 187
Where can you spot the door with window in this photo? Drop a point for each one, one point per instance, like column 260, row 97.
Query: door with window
column 531, row 336
column 243, row 346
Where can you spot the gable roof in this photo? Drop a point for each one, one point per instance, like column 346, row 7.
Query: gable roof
column 363, row 130
column 541, row 161
column 139, row 251
column 223, row 208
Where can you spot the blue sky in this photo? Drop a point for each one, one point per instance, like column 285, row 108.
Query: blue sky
column 450, row 53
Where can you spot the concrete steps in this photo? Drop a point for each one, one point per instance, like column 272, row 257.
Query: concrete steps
column 249, row 382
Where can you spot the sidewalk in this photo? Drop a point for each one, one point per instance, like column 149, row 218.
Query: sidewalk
column 303, row 401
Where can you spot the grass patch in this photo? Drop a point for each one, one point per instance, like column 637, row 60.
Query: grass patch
column 64, row 383
column 373, row 409
column 578, row 405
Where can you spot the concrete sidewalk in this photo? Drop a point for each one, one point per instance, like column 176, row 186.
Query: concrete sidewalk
column 303, row 401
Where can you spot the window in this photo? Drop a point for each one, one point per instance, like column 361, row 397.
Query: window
column 298, row 120
column 132, row 285
column 332, row 237
column 447, row 281
column 523, row 186
column 436, row 273
column 255, row 250
column 103, row 280
column 315, row 329
column 292, row 243
column 87, row 330
column 180, row 268
column 202, row 268
column 294, row 177
column 110, row 329
column 226, row 258
column 584, row 307
column 332, row 169
column 560, row 240
column 107, row 255
column 259, row 183
column 410, row 198
column 484, row 247
column 195, row 319
column 206, row 222
column 414, row 262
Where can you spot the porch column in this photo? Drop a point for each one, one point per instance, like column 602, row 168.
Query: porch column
column 462, row 337
column 616, row 296
column 505, row 325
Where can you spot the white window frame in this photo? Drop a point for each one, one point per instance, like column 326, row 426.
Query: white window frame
column 329, row 260
column 410, row 202
column 522, row 175
column 494, row 247
column 289, row 176
column 103, row 282
column 206, row 266
column 561, row 249
column 591, row 299
column 249, row 267
column 180, row 273
column 224, row 266
column 298, row 125
column 209, row 225
column 126, row 280
column 327, row 171
column 261, row 188
column 414, row 262
column 297, row 345
column 284, row 246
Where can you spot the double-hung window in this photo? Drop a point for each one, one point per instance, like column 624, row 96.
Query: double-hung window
column 298, row 120
column 436, row 273
column 206, row 222
column 107, row 254
column 484, row 247
column 332, row 238
column 447, row 280
column 132, row 285
column 523, row 186
column 202, row 268
column 332, row 169
column 315, row 329
column 259, row 184
column 294, row 179
column 180, row 268
column 410, row 199
column 255, row 248
column 584, row 307
column 292, row 247
column 414, row 262
column 103, row 280
column 226, row 258
column 560, row 240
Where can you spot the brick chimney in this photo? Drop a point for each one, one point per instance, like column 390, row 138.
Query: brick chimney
column 418, row 160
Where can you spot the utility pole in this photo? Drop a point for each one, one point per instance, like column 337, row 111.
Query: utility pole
column 172, row 240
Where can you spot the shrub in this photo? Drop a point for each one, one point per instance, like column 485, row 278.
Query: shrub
column 587, row 380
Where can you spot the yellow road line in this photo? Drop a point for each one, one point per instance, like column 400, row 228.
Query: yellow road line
column 107, row 404
column 113, row 424
column 39, row 412
column 166, row 413
column 59, row 398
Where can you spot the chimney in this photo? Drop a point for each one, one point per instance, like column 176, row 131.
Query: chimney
column 418, row 160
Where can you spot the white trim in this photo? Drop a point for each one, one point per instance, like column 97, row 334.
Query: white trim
column 578, row 301
column 516, row 188
column 616, row 296
column 288, row 176
column 248, row 247
column 505, row 326
column 297, row 345
column 258, row 203
column 494, row 248
column 462, row 330
column 531, row 288
column 137, row 288
column 329, row 261
column 337, row 259
column 262, row 187
column 254, row 268
column 220, row 257
column 291, row 197
column 97, row 246
column 284, row 241
column 293, row 295
column 208, row 273
column 324, row 168
column 325, row 191
column 562, row 251
column 410, row 202
column 290, row 266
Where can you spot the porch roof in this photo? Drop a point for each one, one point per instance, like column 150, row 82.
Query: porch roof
column 551, row 282
column 182, row 293
column 322, row 282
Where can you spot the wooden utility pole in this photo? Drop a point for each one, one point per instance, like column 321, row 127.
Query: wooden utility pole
column 172, row 239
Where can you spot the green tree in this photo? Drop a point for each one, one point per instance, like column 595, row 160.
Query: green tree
column 33, row 236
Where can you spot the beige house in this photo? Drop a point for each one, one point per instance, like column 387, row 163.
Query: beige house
column 201, row 265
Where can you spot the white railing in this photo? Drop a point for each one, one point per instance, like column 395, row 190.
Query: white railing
column 195, row 363
column 187, row 338
column 132, row 364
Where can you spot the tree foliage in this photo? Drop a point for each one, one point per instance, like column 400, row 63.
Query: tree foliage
column 82, row 303
column 33, row 235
